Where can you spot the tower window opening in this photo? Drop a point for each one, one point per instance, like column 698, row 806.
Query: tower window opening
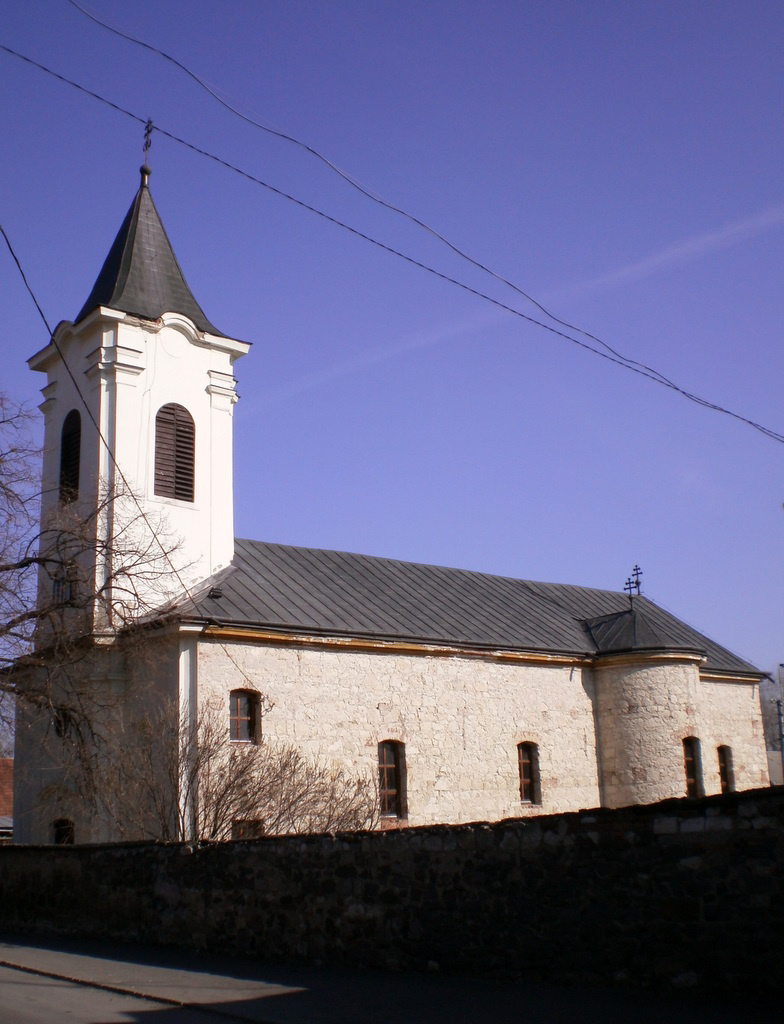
column 175, row 453
column 70, row 457
column 63, row 832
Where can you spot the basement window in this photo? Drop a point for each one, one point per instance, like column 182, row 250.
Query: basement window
column 247, row 828
column 63, row 832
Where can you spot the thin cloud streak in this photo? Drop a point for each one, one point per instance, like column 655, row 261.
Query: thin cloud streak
column 680, row 252
column 314, row 381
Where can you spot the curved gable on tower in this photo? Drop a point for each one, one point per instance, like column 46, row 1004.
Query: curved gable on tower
column 141, row 275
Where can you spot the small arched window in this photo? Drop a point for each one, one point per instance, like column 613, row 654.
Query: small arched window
column 175, row 452
column 70, row 457
column 528, row 768
column 692, row 761
column 244, row 716
column 392, row 779
column 726, row 772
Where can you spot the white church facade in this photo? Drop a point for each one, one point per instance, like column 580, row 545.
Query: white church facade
column 470, row 697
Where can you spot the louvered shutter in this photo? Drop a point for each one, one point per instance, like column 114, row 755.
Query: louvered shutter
column 175, row 453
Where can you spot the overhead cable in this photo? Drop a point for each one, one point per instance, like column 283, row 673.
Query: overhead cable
column 372, row 195
column 610, row 354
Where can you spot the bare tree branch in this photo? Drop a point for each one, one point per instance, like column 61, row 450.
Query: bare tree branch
column 174, row 778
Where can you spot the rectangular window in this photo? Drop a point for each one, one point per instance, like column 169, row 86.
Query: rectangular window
column 244, row 718
column 391, row 769
column 726, row 774
column 247, row 828
column 528, row 767
column 693, row 766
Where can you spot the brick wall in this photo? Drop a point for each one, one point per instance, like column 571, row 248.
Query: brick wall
column 683, row 892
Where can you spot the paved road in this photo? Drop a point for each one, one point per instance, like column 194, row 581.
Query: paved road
column 97, row 983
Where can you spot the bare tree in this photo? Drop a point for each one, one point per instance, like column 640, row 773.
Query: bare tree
column 76, row 579
column 19, row 506
column 84, row 587
column 172, row 778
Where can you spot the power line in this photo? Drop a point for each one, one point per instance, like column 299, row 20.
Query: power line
column 372, row 195
column 610, row 355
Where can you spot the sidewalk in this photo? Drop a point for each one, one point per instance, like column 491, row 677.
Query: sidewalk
column 275, row 994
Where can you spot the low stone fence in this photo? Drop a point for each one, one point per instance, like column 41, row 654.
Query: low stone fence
column 684, row 893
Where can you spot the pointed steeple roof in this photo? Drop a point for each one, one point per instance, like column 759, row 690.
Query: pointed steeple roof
column 141, row 275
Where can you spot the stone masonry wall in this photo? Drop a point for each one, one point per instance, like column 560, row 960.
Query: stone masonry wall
column 679, row 893
column 644, row 711
column 460, row 718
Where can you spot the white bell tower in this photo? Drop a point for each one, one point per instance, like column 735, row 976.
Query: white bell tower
column 138, row 411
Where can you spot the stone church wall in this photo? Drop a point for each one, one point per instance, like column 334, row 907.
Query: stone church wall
column 685, row 893
column 646, row 708
column 460, row 718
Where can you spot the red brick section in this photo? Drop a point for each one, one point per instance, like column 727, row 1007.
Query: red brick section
column 6, row 787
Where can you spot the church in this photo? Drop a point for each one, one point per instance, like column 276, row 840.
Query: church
column 470, row 697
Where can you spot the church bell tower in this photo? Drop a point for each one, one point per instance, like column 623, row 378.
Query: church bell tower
column 138, row 411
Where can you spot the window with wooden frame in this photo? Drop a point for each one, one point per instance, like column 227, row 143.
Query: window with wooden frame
column 70, row 457
column 244, row 716
column 528, row 770
column 175, row 453
column 726, row 773
column 63, row 833
column 693, row 766
column 391, row 779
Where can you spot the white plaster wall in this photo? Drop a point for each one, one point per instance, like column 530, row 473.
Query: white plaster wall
column 127, row 369
column 460, row 718
column 646, row 710
column 182, row 367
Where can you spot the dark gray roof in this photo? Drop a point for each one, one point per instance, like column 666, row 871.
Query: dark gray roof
column 633, row 630
column 333, row 593
column 141, row 275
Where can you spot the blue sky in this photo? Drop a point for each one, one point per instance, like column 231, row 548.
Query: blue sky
column 621, row 162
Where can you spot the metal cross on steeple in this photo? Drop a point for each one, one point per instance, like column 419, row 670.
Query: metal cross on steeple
column 145, row 169
column 636, row 573
column 632, row 585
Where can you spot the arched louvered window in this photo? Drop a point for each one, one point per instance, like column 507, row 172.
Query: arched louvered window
column 175, row 451
column 70, row 457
